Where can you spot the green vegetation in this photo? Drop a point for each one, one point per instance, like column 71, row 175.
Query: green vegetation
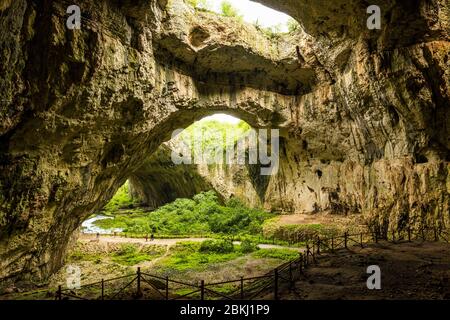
column 228, row 10
column 281, row 254
column 216, row 246
column 248, row 246
column 121, row 200
column 198, row 256
column 201, row 215
column 213, row 135
column 78, row 255
column 297, row 232
column 130, row 255
column 193, row 256
column 293, row 25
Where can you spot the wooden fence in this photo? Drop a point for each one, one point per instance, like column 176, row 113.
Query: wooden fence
column 143, row 285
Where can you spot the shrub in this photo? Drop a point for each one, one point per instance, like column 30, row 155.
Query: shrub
column 129, row 255
column 127, row 249
column 122, row 199
column 248, row 246
column 216, row 246
column 293, row 25
column 229, row 11
column 199, row 216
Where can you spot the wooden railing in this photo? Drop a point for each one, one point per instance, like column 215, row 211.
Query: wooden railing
column 265, row 286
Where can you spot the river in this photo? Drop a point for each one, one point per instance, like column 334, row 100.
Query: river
column 89, row 227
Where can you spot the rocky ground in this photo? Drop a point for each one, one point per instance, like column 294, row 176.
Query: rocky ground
column 408, row 271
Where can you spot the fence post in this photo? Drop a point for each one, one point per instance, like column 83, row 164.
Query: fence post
column 361, row 238
column 332, row 244
column 275, row 284
column 345, row 239
column 138, row 293
column 423, row 233
column 318, row 244
column 300, row 263
column 376, row 236
column 59, row 293
column 307, row 254
column 103, row 289
column 167, row 287
column 393, row 235
column 202, row 290
column 435, row 234
column 409, row 233
column 291, row 280
column 242, row 288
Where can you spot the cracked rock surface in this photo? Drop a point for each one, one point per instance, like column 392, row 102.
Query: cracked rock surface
column 364, row 115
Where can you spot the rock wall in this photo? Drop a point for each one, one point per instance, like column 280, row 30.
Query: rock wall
column 159, row 181
column 81, row 110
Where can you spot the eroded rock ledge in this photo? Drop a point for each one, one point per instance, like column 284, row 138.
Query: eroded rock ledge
column 81, row 110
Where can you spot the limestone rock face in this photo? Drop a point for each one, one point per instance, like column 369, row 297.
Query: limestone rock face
column 160, row 181
column 363, row 113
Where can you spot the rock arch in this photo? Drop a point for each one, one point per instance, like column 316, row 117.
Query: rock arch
column 81, row 109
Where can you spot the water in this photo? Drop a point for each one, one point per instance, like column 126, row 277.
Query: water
column 89, row 227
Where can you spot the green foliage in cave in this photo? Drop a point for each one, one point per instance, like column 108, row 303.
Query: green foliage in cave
column 203, row 214
column 122, row 200
column 213, row 134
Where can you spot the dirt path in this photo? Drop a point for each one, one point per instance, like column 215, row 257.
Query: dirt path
column 413, row 270
column 165, row 242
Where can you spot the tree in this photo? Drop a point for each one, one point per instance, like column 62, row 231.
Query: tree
column 293, row 25
column 229, row 11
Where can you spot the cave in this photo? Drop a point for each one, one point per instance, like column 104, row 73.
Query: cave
column 83, row 110
column 161, row 180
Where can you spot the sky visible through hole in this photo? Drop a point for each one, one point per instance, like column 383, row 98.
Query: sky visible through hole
column 222, row 118
column 253, row 11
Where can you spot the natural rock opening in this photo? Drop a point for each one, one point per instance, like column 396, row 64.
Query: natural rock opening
column 82, row 109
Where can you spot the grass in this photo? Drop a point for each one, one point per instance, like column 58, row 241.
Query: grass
column 77, row 256
column 187, row 256
column 127, row 255
column 280, row 254
column 121, row 200
column 297, row 233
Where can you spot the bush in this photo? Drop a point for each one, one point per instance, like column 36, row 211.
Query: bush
column 127, row 249
column 122, row 199
column 216, row 246
column 248, row 246
column 293, row 25
column 129, row 255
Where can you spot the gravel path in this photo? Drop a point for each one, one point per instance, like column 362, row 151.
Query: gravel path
column 167, row 242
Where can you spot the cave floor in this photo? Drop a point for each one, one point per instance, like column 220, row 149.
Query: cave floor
column 416, row 270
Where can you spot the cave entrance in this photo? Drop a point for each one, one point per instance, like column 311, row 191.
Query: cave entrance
column 207, row 172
